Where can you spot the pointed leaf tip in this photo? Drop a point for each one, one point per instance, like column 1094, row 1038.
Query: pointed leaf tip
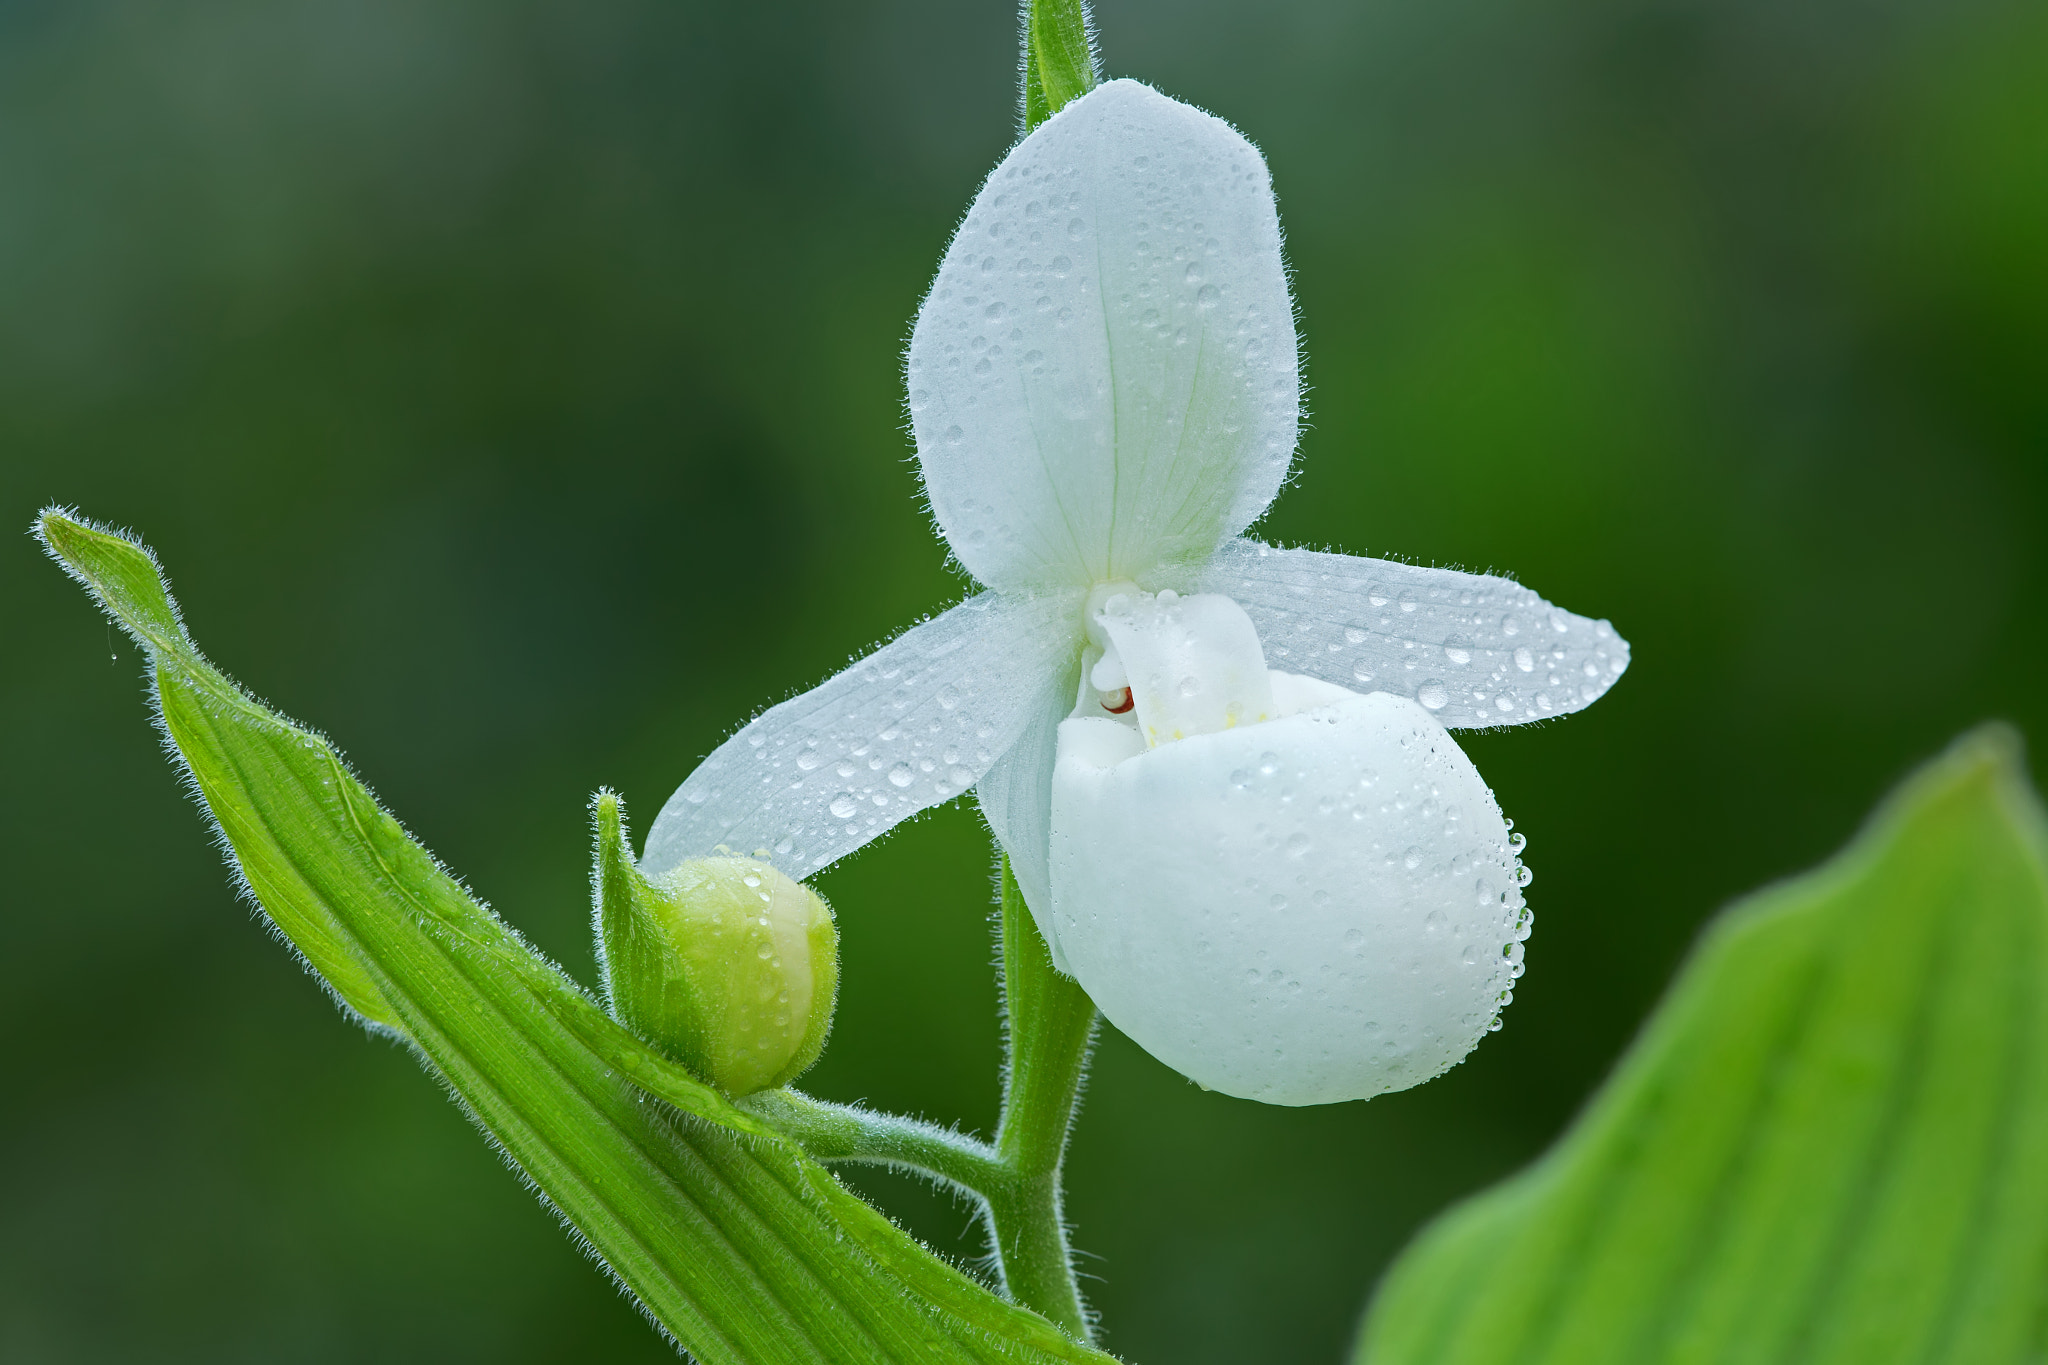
column 120, row 571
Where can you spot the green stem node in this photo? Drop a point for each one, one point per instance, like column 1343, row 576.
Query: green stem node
column 1051, row 1028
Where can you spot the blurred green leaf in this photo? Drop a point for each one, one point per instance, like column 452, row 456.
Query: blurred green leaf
column 732, row 1239
column 1058, row 65
column 1830, row 1143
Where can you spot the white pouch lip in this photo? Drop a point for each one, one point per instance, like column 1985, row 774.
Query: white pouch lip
column 1321, row 907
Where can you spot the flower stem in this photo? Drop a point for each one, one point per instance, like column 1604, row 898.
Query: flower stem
column 1058, row 62
column 1051, row 1028
column 1051, row 1032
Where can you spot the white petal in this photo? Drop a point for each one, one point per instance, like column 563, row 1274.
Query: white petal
column 913, row 724
column 1320, row 908
column 1016, row 800
column 1103, row 377
column 1474, row 649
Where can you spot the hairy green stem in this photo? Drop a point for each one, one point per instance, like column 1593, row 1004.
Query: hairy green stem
column 1058, row 63
column 845, row 1132
column 1050, row 1029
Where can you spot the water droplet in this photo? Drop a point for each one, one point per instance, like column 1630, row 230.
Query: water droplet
column 1190, row 686
column 949, row 697
column 1458, row 650
column 901, row 776
column 809, row 759
column 1297, row 844
column 1523, row 875
column 1353, row 635
column 1208, row 296
column 1361, row 672
column 1434, row 922
column 1433, row 695
column 1278, row 902
column 1412, row 859
column 1517, row 842
column 1471, row 955
column 961, row 777
column 1524, row 660
column 1377, row 595
column 1269, row 763
column 1240, row 777
column 843, row 806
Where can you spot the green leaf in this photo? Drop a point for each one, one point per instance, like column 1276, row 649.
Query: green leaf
column 1058, row 62
column 1830, row 1143
column 732, row 1239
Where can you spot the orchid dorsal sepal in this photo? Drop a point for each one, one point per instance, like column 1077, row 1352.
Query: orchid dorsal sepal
column 725, row 963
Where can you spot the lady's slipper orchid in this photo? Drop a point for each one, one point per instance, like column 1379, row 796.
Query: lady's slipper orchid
column 1219, row 769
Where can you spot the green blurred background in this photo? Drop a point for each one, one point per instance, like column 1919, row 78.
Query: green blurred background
column 512, row 390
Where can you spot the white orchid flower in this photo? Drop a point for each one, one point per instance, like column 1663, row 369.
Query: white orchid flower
column 1220, row 769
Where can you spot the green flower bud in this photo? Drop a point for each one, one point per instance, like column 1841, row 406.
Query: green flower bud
column 724, row 963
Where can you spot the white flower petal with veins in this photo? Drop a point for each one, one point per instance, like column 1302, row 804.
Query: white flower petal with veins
column 913, row 724
column 1016, row 800
column 1103, row 377
column 1475, row 649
